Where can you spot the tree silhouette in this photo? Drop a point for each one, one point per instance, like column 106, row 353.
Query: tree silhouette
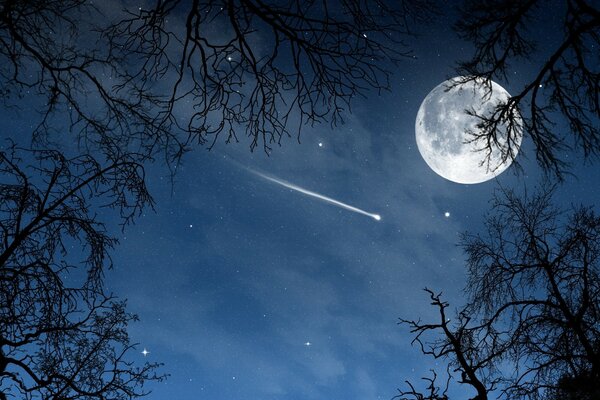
column 62, row 336
column 565, row 85
column 181, row 72
column 126, row 87
column 433, row 391
column 471, row 352
column 531, row 325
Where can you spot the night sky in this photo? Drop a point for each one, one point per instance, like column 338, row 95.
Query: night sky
column 248, row 290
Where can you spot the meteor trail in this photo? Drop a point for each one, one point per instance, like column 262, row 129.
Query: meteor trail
column 288, row 185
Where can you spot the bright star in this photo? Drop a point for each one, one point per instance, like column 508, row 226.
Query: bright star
column 447, row 214
column 320, row 144
column 307, row 344
column 145, row 352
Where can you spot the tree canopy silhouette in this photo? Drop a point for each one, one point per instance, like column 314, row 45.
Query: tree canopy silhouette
column 531, row 324
column 62, row 335
column 560, row 101
column 179, row 72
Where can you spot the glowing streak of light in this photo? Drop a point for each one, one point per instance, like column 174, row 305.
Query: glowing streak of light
column 288, row 185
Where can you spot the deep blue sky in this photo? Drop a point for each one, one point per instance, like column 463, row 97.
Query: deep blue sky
column 233, row 275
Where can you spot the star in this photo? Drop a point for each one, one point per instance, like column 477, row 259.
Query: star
column 145, row 352
column 320, row 144
column 307, row 344
column 447, row 214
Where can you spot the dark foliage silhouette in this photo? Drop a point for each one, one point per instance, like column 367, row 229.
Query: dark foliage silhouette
column 62, row 336
column 560, row 102
column 531, row 325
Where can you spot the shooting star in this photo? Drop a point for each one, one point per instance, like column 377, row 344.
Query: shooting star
column 288, row 185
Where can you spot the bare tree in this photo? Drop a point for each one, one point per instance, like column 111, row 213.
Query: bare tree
column 53, row 61
column 186, row 71
column 471, row 353
column 560, row 103
column 62, row 336
column 537, row 271
column 433, row 390
column 531, row 325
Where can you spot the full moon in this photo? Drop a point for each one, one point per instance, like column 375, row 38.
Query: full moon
column 444, row 131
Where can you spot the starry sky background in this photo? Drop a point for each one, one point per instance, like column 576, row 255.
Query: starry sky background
column 233, row 275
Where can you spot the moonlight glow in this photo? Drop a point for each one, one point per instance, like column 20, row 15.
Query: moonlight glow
column 443, row 131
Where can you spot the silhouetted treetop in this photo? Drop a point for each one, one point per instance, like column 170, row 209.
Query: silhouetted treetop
column 471, row 353
column 537, row 271
column 560, row 102
column 530, row 328
column 259, row 65
column 62, row 335
column 179, row 72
